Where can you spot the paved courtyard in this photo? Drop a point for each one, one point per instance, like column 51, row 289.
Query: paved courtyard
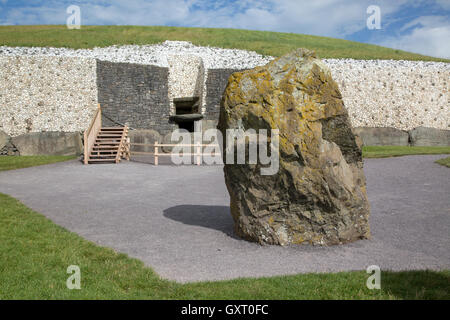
column 177, row 219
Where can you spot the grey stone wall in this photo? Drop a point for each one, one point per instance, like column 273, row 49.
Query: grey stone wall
column 216, row 82
column 135, row 95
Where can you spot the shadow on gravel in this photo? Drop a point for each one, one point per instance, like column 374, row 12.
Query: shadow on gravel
column 417, row 284
column 212, row 217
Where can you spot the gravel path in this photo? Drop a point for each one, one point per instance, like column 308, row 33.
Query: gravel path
column 177, row 220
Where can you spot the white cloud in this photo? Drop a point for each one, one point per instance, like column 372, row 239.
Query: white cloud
column 445, row 4
column 336, row 18
column 428, row 35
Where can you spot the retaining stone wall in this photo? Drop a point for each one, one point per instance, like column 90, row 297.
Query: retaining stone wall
column 216, row 82
column 399, row 94
column 375, row 94
column 46, row 94
column 42, row 93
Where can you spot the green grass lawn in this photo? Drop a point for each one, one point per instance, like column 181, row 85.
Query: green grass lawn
column 17, row 162
column 263, row 42
column 396, row 151
column 35, row 254
column 444, row 162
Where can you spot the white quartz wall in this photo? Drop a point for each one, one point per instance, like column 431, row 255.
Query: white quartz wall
column 399, row 94
column 54, row 89
column 186, row 78
column 46, row 94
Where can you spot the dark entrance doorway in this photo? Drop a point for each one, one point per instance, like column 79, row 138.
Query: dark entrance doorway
column 187, row 111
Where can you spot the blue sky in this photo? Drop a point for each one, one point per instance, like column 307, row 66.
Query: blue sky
column 421, row 26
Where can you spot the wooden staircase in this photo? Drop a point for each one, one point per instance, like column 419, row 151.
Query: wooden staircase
column 110, row 146
column 105, row 144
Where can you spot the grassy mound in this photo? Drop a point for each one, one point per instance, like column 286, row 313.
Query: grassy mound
column 263, row 42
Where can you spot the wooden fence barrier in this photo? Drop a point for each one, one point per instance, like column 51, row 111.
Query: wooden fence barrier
column 198, row 154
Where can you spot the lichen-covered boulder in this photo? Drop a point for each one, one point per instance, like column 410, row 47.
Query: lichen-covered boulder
column 318, row 195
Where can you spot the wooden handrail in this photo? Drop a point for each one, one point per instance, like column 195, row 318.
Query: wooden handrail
column 173, row 145
column 91, row 133
column 99, row 110
column 124, row 148
column 198, row 153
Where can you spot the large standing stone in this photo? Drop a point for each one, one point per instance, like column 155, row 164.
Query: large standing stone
column 318, row 195
column 49, row 143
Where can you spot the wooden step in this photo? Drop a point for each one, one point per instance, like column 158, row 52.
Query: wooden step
column 110, row 134
column 103, row 160
column 115, row 137
column 107, row 134
column 105, row 147
column 103, row 142
column 109, row 137
column 115, row 133
column 103, row 152
column 103, row 155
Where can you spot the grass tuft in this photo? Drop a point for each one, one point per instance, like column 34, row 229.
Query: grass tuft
column 397, row 151
column 18, row 162
column 444, row 162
